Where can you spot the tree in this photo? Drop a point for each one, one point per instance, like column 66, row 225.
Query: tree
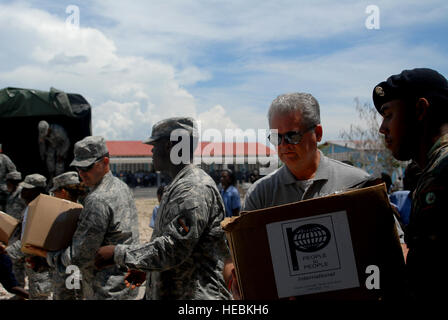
column 372, row 154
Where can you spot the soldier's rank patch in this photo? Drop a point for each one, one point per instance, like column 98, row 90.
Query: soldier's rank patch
column 430, row 198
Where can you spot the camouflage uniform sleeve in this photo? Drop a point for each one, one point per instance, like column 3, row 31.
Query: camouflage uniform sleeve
column 87, row 239
column 14, row 251
column 183, row 220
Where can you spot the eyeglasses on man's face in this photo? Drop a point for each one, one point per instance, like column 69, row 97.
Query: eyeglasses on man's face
column 291, row 137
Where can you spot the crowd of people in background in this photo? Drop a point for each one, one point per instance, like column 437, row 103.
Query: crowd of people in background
column 145, row 179
column 140, row 178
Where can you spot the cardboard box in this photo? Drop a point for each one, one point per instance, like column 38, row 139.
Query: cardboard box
column 333, row 247
column 49, row 223
column 7, row 226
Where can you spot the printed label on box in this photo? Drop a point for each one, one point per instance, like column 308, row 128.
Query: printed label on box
column 313, row 254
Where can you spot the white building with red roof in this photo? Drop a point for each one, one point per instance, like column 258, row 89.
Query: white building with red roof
column 135, row 156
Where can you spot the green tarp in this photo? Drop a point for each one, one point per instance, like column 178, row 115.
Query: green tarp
column 16, row 102
column 20, row 112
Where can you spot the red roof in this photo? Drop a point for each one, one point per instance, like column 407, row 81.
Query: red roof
column 139, row 149
column 129, row 149
column 234, row 148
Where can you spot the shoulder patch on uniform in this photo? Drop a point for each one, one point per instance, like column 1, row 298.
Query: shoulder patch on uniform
column 182, row 226
column 430, row 198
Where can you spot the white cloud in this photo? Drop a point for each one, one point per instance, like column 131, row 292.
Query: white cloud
column 116, row 120
column 192, row 75
column 216, row 118
column 127, row 93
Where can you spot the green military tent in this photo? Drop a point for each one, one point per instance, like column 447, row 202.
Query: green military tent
column 20, row 112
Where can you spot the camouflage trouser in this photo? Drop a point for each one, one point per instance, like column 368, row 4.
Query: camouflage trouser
column 55, row 167
column 61, row 292
column 40, row 284
column 105, row 286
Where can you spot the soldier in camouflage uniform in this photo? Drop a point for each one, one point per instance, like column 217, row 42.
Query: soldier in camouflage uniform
column 109, row 217
column 414, row 106
column 6, row 166
column 14, row 207
column 185, row 256
column 39, row 278
column 66, row 186
column 14, row 203
column 53, row 147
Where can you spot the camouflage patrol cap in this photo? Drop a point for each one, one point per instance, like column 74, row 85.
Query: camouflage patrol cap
column 14, row 175
column 89, row 150
column 164, row 128
column 34, row 180
column 415, row 83
column 65, row 179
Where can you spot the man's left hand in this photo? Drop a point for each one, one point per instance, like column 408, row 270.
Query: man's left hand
column 134, row 278
column 104, row 257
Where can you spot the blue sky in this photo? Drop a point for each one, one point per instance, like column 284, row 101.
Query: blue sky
column 222, row 62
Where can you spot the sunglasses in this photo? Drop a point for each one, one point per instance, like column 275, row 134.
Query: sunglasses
column 291, row 137
column 88, row 168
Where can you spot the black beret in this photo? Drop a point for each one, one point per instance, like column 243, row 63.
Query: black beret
column 415, row 83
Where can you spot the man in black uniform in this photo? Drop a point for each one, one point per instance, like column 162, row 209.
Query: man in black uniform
column 414, row 106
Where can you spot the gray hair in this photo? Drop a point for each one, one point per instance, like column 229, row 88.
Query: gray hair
column 305, row 103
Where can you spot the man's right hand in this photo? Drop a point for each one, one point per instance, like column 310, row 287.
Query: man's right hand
column 134, row 278
column 230, row 279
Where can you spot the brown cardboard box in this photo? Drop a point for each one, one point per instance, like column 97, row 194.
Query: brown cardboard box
column 7, row 226
column 49, row 223
column 319, row 249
